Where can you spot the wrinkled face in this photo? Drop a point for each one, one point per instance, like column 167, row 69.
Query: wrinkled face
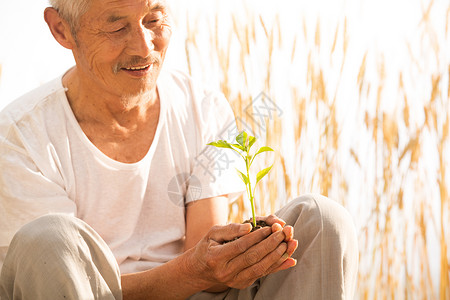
column 121, row 45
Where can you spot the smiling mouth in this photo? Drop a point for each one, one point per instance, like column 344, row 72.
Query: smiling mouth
column 138, row 68
column 139, row 71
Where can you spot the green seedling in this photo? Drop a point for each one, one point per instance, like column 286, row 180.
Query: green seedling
column 242, row 147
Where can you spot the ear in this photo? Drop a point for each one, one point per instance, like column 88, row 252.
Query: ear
column 59, row 28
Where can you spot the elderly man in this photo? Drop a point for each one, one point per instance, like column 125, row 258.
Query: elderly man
column 90, row 182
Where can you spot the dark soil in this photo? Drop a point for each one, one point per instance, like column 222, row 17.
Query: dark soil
column 259, row 224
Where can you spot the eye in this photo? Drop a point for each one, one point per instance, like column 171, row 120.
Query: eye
column 118, row 30
column 153, row 22
column 154, row 18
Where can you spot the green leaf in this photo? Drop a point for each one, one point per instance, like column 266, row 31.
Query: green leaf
column 243, row 177
column 221, row 144
column 263, row 149
column 242, row 138
column 238, row 146
column 262, row 173
column 252, row 140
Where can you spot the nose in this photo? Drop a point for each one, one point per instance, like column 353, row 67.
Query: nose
column 141, row 42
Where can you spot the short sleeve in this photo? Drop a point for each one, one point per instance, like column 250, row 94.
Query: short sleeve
column 214, row 168
column 26, row 190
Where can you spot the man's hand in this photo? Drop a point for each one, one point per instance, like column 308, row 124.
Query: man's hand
column 214, row 265
column 239, row 263
column 278, row 224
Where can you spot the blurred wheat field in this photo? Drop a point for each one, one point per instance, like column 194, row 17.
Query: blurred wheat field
column 357, row 113
column 366, row 124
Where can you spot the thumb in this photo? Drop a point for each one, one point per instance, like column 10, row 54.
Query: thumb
column 221, row 234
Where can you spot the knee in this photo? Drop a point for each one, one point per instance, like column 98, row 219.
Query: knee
column 327, row 240
column 35, row 243
column 320, row 215
column 46, row 230
column 337, row 223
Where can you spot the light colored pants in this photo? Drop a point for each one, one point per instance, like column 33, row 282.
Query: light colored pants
column 59, row 257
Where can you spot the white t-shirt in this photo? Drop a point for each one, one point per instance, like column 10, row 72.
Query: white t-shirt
column 47, row 164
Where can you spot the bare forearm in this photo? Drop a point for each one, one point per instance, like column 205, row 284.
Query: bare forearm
column 173, row 280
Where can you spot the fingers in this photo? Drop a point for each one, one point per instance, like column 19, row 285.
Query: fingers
column 276, row 223
column 228, row 251
column 240, row 262
column 258, row 251
column 286, row 264
column 221, row 234
column 288, row 232
column 272, row 219
column 240, row 246
column 292, row 246
column 262, row 267
column 223, row 262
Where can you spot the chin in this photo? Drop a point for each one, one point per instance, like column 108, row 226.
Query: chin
column 141, row 90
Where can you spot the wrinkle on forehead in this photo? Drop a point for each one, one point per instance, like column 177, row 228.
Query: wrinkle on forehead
column 158, row 5
column 150, row 5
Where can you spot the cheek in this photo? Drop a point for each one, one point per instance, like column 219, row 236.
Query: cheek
column 101, row 54
column 163, row 37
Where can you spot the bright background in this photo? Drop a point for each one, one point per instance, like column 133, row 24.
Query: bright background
column 361, row 89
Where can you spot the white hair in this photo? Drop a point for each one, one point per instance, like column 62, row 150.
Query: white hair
column 71, row 11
